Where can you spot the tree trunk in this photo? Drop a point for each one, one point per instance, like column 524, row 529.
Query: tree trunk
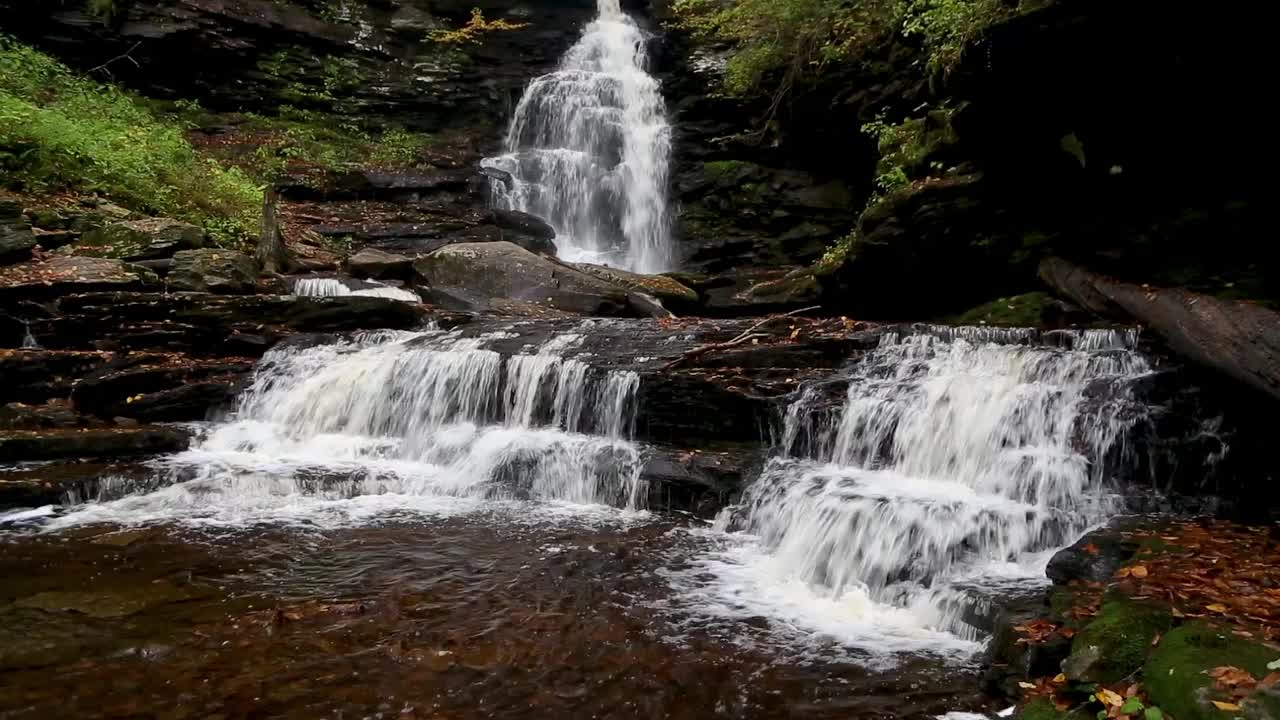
column 272, row 256
column 1239, row 339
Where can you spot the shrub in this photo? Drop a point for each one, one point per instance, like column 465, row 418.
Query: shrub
column 778, row 43
column 62, row 130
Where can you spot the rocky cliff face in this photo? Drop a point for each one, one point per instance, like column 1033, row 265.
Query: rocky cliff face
column 371, row 61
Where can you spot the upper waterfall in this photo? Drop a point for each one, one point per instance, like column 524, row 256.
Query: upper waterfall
column 588, row 150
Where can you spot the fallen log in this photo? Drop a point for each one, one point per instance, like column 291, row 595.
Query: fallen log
column 1238, row 339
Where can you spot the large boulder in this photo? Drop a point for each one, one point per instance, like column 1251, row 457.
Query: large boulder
column 16, row 237
column 528, row 231
column 149, row 239
column 505, row 270
column 375, row 263
column 213, row 270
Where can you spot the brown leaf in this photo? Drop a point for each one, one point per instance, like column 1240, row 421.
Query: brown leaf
column 1091, row 549
column 1109, row 697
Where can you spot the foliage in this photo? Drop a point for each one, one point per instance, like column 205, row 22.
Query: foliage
column 61, row 130
column 474, row 28
column 778, row 43
column 398, row 147
column 948, row 26
column 788, row 39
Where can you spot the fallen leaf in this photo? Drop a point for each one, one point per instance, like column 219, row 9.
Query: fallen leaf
column 1109, row 697
column 1091, row 549
column 1061, row 677
column 1216, row 607
column 1027, row 685
column 1138, row 571
column 1228, row 707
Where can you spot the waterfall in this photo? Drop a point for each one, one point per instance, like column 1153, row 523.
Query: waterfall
column 413, row 417
column 588, row 150
column 333, row 287
column 944, row 468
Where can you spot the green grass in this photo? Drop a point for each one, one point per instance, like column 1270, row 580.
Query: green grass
column 63, row 131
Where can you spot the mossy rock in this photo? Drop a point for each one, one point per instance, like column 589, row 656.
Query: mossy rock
column 213, row 270
column 1115, row 644
column 1025, row 310
column 148, row 239
column 1176, row 678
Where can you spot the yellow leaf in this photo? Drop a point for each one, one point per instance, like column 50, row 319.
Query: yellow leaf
column 1027, row 685
column 1060, row 678
column 1226, row 706
column 1216, row 607
column 1110, row 697
column 1138, row 571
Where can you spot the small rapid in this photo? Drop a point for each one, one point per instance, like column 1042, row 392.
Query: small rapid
column 333, row 287
column 388, row 422
column 588, row 150
column 939, row 473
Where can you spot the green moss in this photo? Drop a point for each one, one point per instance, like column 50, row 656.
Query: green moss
column 722, row 169
column 1018, row 311
column 1175, row 676
column 908, row 150
column 60, row 130
column 1115, row 644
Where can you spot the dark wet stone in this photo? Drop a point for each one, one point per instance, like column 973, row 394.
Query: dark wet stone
column 213, row 270
column 62, row 443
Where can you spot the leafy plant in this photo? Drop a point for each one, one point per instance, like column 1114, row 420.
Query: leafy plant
column 62, row 130
column 779, row 43
column 475, row 27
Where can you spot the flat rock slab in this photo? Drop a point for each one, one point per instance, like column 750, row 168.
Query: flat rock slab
column 60, row 274
column 114, row 603
column 106, row 442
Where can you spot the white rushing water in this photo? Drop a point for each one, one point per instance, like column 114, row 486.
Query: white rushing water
column 333, row 287
column 390, row 421
column 588, row 150
column 947, row 470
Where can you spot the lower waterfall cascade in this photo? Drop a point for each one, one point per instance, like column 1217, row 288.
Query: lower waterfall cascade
column 906, row 492
column 407, row 417
column 956, row 462
column 588, row 150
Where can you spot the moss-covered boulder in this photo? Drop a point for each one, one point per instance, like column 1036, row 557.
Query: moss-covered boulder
column 1115, row 644
column 149, row 239
column 1176, row 675
column 213, row 270
column 1026, row 310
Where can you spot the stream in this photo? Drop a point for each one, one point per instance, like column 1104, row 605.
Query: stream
column 417, row 525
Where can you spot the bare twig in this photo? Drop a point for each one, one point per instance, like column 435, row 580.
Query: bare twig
column 748, row 334
column 128, row 55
